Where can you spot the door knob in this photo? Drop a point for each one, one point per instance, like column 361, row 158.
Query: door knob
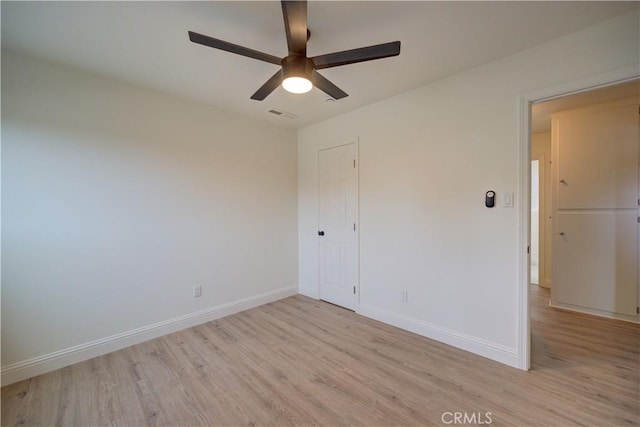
column 561, row 233
column 320, row 233
column 563, row 181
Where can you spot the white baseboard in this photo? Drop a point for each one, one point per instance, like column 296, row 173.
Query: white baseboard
column 39, row 365
column 497, row 352
column 594, row 312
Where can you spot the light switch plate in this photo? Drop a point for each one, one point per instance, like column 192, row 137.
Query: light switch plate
column 507, row 200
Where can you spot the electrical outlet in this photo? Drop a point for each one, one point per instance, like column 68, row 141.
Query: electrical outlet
column 405, row 295
column 197, row 291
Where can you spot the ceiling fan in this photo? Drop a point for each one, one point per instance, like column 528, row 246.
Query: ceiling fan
column 298, row 73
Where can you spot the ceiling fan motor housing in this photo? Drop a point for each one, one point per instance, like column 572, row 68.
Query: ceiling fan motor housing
column 299, row 73
column 297, row 66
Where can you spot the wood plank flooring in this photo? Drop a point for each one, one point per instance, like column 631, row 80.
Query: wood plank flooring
column 303, row 362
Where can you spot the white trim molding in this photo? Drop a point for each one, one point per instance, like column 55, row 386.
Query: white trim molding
column 524, row 163
column 39, row 365
column 493, row 351
column 595, row 312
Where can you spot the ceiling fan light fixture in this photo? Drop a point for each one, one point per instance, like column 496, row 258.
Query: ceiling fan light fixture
column 296, row 74
column 297, row 84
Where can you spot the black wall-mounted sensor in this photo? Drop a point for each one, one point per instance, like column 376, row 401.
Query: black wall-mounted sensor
column 490, row 199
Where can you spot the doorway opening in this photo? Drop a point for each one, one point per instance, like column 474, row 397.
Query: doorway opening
column 534, row 262
column 544, row 220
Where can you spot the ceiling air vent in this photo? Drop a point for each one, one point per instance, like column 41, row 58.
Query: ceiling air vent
column 282, row 113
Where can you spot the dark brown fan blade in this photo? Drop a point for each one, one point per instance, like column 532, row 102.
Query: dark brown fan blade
column 352, row 56
column 266, row 89
column 295, row 25
column 326, row 86
column 233, row 48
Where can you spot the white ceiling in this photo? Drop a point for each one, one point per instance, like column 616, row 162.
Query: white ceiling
column 146, row 43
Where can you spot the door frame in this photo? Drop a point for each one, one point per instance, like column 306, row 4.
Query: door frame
column 525, row 103
column 355, row 142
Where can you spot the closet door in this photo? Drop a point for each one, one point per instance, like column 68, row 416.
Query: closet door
column 596, row 194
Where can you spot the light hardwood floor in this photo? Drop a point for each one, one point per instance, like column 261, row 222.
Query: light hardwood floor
column 303, row 362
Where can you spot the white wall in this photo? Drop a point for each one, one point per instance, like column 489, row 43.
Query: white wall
column 426, row 159
column 116, row 201
column 540, row 144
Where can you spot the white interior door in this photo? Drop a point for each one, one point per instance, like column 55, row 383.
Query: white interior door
column 596, row 194
column 337, row 228
column 599, row 258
